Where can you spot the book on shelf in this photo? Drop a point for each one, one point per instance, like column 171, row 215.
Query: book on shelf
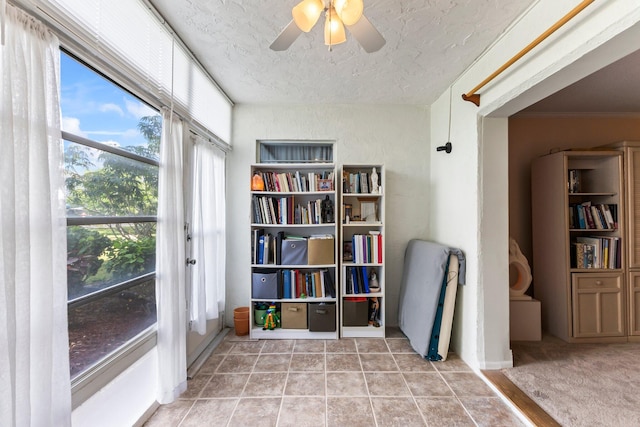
column 330, row 289
column 597, row 252
column 364, row 182
column 574, row 180
column 357, row 280
column 290, row 182
column 367, row 248
column 311, row 283
column 358, row 182
column 281, row 210
column 589, row 216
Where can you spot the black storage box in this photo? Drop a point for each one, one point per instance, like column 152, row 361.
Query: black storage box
column 355, row 312
column 322, row 317
column 294, row 251
column 265, row 284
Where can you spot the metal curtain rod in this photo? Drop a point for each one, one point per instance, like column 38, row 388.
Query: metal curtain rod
column 472, row 96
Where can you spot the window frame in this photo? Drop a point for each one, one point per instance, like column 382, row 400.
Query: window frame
column 328, row 144
column 86, row 383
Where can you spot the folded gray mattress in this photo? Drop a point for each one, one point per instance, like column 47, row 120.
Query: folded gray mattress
column 427, row 296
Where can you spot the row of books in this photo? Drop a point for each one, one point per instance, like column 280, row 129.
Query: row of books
column 367, row 248
column 588, row 216
column 281, row 210
column 311, row 284
column 288, row 182
column 356, row 182
column 597, row 252
column 357, row 280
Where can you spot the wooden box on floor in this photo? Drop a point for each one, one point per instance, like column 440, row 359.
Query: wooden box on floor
column 524, row 320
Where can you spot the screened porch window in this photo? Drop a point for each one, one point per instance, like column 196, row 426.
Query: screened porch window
column 295, row 152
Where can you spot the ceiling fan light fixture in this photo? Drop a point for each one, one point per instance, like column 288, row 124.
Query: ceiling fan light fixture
column 333, row 29
column 349, row 11
column 306, row 14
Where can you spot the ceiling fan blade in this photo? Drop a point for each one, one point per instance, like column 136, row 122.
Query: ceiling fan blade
column 367, row 35
column 286, row 37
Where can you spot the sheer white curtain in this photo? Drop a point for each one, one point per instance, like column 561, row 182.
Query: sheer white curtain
column 35, row 387
column 170, row 264
column 208, row 234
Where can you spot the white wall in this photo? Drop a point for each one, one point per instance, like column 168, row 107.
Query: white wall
column 397, row 136
column 469, row 203
column 124, row 400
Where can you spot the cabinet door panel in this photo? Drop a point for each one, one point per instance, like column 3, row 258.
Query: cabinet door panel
column 633, row 192
column 598, row 307
column 634, row 306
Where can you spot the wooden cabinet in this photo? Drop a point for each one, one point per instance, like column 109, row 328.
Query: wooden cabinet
column 579, row 256
column 362, row 253
column 631, row 152
column 597, row 305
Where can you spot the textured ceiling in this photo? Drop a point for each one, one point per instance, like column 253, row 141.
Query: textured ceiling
column 429, row 44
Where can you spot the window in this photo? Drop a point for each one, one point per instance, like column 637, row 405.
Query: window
column 111, row 143
column 295, row 152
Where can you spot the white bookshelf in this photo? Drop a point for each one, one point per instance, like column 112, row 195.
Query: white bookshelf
column 362, row 213
column 290, row 226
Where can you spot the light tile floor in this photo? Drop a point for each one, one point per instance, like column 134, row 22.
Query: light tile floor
column 346, row 382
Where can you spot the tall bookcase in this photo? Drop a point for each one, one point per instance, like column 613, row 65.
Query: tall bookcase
column 579, row 254
column 362, row 250
column 294, row 250
column 631, row 153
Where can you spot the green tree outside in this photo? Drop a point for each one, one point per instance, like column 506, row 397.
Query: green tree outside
column 119, row 187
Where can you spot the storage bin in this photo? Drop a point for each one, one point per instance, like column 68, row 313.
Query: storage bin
column 321, row 250
column 294, row 251
column 322, row 317
column 356, row 311
column 259, row 311
column 293, row 315
column 265, row 284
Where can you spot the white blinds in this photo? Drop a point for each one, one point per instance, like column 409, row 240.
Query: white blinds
column 129, row 36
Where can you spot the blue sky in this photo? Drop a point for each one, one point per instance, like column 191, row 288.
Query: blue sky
column 95, row 108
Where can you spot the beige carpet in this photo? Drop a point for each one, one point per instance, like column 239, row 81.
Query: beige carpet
column 580, row 384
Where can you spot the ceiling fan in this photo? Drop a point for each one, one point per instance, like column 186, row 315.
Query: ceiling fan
column 338, row 14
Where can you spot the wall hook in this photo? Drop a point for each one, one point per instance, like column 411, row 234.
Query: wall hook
column 446, row 148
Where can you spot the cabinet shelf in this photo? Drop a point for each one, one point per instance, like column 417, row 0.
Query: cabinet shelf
column 291, row 334
column 595, row 270
column 323, row 225
column 291, row 193
column 362, row 264
column 592, row 230
column 592, row 194
column 308, row 299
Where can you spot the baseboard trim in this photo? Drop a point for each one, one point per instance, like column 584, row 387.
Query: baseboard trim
column 204, row 355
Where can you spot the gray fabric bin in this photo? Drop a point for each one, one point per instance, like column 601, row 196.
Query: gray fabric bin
column 294, row 251
column 266, row 285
